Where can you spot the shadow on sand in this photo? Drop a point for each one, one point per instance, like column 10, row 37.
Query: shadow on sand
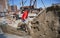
column 2, row 36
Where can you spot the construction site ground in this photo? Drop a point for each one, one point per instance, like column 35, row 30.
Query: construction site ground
column 45, row 25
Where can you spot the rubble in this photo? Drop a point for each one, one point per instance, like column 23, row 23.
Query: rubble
column 44, row 25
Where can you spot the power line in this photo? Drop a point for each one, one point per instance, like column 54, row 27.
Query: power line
column 43, row 3
column 25, row 1
column 12, row 1
column 30, row 2
column 22, row 3
column 35, row 3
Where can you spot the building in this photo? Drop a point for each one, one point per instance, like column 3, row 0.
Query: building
column 3, row 5
column 12, row 8
column 57, row 4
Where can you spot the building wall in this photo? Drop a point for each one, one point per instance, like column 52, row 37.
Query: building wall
column 9, row 8
column 3, row 4
column 12, row 8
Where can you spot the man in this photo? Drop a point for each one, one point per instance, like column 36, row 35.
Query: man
column 25, row 15
column 26, row 24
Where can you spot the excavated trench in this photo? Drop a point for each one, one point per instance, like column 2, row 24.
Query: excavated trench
column 44, row 26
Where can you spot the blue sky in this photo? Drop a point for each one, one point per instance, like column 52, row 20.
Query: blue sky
column 39, row 3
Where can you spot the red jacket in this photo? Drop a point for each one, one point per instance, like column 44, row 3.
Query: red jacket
column 25, row 15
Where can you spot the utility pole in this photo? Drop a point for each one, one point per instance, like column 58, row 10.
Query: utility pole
column 22, row 3
column 35, row 3
column 30, row 2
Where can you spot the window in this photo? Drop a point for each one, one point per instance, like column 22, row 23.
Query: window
column 1, row 8
column 12, row 8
